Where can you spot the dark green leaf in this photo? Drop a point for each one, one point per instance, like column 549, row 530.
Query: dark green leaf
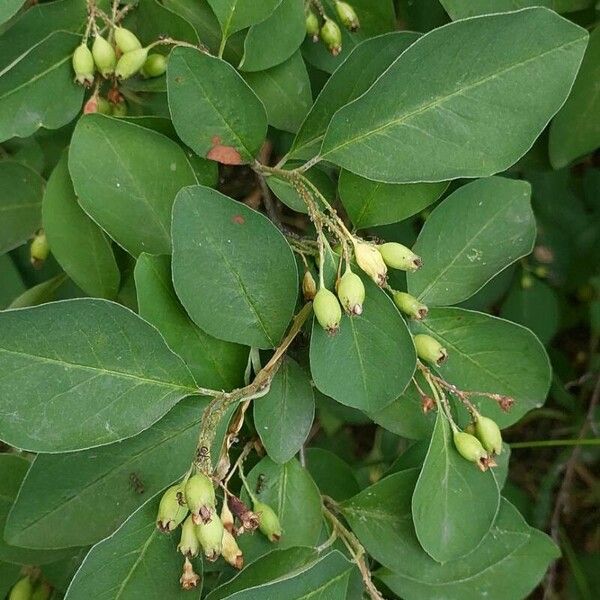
column 12, row 283
column 332, row 475
column 82, row 373
column 9, row 8
column 235, row 15
column 214, row 363
column 40, row 293
column 370, row 361
column 77, row 243
column 471, row 236
column 460, row 9
column 232, row 269
column 469, row 111
column 126, row 178
column 200, row 15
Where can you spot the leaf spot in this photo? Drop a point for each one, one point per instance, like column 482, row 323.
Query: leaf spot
column 238, row 219
column 223, row 154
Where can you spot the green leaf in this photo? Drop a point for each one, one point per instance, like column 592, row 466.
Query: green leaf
column 333, row 476
column 469, row 111
column 576, row 128
column 354, row 76
column 293, row 574
column 83, row 373
column 126, row 178
column 275, row 39
column 460, row 9
column 235, row 15
column 535, row 307
column 77, row 243
column 12, row 471
column 214, row 363
column 284, row 416
column 471, row 236
column 9, row 575
column 232, row 269
column 30, row 87
column 214, row 110
column 21, row 191
column 448, row 489
column 285, row 92
column 8, row 8
column 40, row 293
column 12, row 283
column 381, row 518
column 136, row 561
column 487, row 354
column 371, row 203
column 370, row 361
column 293, row 495
column 201, row 16
column 95, row 490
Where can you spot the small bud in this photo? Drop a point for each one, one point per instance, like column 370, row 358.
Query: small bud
column 130, row 63
column 400, row 257
column 200, row 497
column 470, row 448
column 189, row 579
column 488, row 433
column 410, row 306
column 104, row 56
column 227, row 516
column 309, row 287
column 119, row 109
column 155, row 65
column 126, row 41
column 22, row 590
column 42, row 591
column 231, row 551
column 327, row 310
column 249, row 519
column 269, row 521
column 210, row 536
column 39, row 249
column 331, row 36
column 429, row 349
column 347, row 15
column 371, row 262
column 188, row 544
column 172, row 509
column 83, row 65
column 351, row 292
column 427, row 404
column 312, row 25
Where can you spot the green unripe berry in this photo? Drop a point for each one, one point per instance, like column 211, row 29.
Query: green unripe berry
column 130, row 63
column 351, row 292
column 371, row 262
column 155, row 65
column 126, row 41
column 200, row 498
column 269, row 521
column 83, row 65
column 327, row 310
column 429, row 349
column 104, row 106
column 470, row 448
column 104, row 56
column 39, row 249
column 409, row 305
column 22, row 590
column 331, row 36
column 400, row 257
column 188, row 543
column 42, row 591
column 210, row 536
column 347, row 15
column 312, row 25
column 231, row 551
column 172, row 509
column 488, row 433
column 120, row 109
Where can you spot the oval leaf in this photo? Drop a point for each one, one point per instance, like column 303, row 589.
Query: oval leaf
column 370, row 361
column 82, row 373
column 214, row 110
column 469, row 111
column 77, row 243
column 126, row 178
column 487, row 354
column 471, row 236
column 284, row 416
column 448, row 489
column 235, row 15
column 232, row 269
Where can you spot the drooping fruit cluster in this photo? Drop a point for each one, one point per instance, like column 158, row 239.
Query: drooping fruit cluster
column 320, row 26
column 480, row 442
column 192, row 504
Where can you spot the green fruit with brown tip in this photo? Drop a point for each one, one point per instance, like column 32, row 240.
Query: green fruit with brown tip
column 188, row 543
column 155, row 65
column 210, row 536
column 130, row 63
column 104, row 56
column 489, row 434
column 327, row 311
column 351, row 292
column 269, row 521
column 231, row 551
column 200, row 498
column 332, row 36
column 398, row 256
column 409, row 305
column 126, row 40
column 429, row 349
column 312, row 25
column 469, row 447
column 83, row 65
column 39, row 249
column 347, row 15
column 172, row 509
column 369, row 259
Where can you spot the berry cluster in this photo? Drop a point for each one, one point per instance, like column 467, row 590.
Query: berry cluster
column 321, row 27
